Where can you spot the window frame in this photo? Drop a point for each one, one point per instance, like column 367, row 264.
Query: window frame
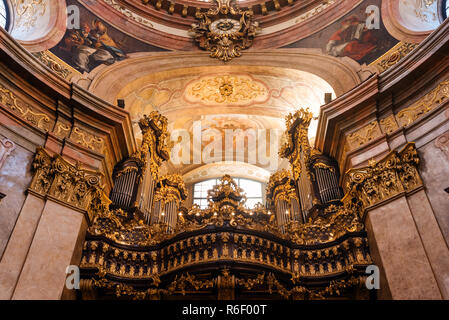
column 237, row 180
column 7, row 14
column 443, row 9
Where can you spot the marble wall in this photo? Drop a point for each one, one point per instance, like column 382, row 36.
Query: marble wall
column 15, row 177
column 436, row 178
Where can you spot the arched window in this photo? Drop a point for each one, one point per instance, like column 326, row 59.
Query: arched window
column 252, row 189
column 4, row 18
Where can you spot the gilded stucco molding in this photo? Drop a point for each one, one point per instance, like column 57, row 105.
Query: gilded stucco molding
column 55, row 64
column 154, row 143
column 224, row 30
column 227, row 89
column 424, row 105
column 280, row 188
column 364, row 135
column 69, row 184
column 172, row 188
column 402, row 119
column 395, row 174
column 86, row 139
column 393, row 56
column 226, row 284
column 9, row 100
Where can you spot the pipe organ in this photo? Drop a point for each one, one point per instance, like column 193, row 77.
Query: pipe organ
column 315, row 176
column 326, row 174
column 136, row 178
column 126, row 182
column 170, row 193
column 157, row 240
column 282, row 199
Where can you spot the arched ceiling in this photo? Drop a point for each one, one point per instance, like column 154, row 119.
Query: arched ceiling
column 223, row 98
column 140, row 51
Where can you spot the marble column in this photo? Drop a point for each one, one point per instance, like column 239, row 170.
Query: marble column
column 57, row 244
column 18, row 245
column 399, row 251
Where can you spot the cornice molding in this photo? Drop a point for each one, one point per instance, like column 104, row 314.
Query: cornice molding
column 40, row 86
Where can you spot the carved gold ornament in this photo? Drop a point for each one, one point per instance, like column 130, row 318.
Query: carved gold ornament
column 394, row 55
column 68, row 183
column 224, row 30
column 229, row 89
column 23, row 110
column 55, row 64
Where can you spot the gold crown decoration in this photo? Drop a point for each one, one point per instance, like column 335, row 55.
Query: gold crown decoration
column 225, row 30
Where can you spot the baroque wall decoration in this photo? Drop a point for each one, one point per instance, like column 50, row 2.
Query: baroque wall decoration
column 227, row 89
column 394, row 55
column 6, row 148
column 442, row 143
column 55, row 64
column 225, row 30
column 403, row 118
column 23, row 110
column 364, row 135
column 424, row 105
column 87, row 140
column 58, row 179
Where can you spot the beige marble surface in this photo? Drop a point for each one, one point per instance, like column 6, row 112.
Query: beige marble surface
column 404, row 260
column 435, row 174
column 432, row 238
column 15, row 177
column 16, row 252
column 43, row 275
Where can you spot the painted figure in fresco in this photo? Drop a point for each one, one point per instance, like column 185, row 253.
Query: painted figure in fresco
column 91, row 47
column 353, row 40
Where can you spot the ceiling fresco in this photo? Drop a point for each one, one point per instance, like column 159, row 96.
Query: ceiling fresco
column 350, row 37
column 222, row 96
column 98, row 42
column 226, row 98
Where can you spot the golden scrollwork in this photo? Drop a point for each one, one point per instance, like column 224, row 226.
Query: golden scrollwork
column 154, row 143
column 394, row 55
column 56, row 178
column 55, row 64
column 280, row 187
column 409, row 115
column 62, row 130
column 226, row 89
column 389, row 124
column 23, row 110
column 226, row 284
column 298, row 141
column 87, row 140
column 403, row 118
column 172, row 188
column 224, row 30
column 364, row 135
column 324, row 166
column 396, row 173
